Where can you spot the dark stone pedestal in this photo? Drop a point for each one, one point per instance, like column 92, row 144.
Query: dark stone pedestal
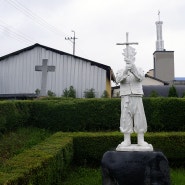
column 135, row 168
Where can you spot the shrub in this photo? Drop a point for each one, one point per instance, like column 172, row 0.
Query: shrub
column 105, row 94
column 71, row 93
column 43, row 164
column 59, row 114
column 89, row 93
column 51, row 94
column 172, row 92
column 154, row 94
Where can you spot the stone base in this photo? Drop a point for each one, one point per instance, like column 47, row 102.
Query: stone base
column 134, row 147
column 135, row 168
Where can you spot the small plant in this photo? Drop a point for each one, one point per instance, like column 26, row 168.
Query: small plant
column 51, row 94
column 37, row 91
column 105, row 94
column 71, row 93
column 183, row 95
column 172, row 92
column 90, row 93
column 154, row 94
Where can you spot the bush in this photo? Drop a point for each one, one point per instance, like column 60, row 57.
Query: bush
column 71, row 93
column 172, row 92
column 154, row 94
column 43, row 164
column 90, row 147
column 58, row 114
column 51, row 94
column 105, row 94
column 46, row 162
column 89, row 93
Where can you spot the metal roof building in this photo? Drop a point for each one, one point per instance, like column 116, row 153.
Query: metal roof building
column 18, row 74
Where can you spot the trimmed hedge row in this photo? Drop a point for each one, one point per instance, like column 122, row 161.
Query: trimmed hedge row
column 163, row 114
column 43, row 164
column 90, row 147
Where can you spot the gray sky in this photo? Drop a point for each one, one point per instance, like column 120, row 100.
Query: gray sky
column 99, row 25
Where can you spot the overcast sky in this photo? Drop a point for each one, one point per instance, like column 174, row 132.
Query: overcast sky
column 98, row 24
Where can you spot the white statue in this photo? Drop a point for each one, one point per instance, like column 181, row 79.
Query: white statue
column 132, row 112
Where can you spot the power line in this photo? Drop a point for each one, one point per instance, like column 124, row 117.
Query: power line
column 5, row 26
column 11, row 34
column 34, row 17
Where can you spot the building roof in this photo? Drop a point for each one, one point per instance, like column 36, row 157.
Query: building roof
column 93, row 63
column 165, row 83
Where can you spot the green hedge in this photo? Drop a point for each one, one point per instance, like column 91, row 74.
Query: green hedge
column 163, row 114
column 43, row 164
column 90, row 147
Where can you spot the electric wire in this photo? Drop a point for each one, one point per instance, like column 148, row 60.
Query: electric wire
column 5, row 26
column 15, row 35
column 34, row 17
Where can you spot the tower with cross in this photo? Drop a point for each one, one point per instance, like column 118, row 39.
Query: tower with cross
column 159, row 42
column 163, row 59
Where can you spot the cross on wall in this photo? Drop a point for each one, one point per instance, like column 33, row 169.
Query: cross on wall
column 44, row 69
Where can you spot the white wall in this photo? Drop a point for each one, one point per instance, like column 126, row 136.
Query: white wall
column 18, row 75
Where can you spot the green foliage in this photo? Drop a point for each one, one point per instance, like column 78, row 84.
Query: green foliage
column 43, row 164
column 37, row 91
column 172, row 92
column 90, row 147
column 14, row 142
column 13, row 114
column 89, row 93
column 51, row 94
column 154, row 94
column 183, row 95
column 105, row 94
column 83, row 176
column 92, row 176
column 59, row 114
column 177, row 176
column 46, row 163
column 71, row 93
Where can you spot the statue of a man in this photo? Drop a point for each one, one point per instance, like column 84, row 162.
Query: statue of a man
column 132, row 112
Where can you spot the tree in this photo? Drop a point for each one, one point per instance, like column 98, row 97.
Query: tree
column 172, row 92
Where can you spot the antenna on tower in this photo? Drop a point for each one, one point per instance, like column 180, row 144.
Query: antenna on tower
column 72, row 39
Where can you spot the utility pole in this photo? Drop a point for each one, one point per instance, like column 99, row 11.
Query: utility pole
column 72, row 39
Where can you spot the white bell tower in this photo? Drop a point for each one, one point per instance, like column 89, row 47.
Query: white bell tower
column 159, row 42
column 163, row 60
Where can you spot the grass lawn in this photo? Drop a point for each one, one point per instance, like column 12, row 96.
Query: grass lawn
column 89, row 176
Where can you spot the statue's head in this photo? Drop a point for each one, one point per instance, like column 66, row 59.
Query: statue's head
column 129, row 54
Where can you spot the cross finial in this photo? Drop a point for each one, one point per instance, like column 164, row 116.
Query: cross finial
column 159, row 14
column 127, row 43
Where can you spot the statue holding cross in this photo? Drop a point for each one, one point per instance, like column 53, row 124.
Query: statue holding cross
column 132, row 111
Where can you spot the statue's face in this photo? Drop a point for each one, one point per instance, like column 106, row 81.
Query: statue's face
column 129, row 54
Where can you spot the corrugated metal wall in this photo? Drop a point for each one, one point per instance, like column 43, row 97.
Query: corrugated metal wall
column 18, row 75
